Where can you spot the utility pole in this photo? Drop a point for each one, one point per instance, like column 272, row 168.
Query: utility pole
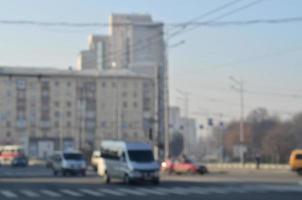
column 116, row 109
column 240, row 88
column 185, row 99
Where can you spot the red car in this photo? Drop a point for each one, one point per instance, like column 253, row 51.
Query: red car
column 183, row 165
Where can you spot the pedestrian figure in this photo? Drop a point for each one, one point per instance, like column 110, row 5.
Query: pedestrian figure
column 257, row 161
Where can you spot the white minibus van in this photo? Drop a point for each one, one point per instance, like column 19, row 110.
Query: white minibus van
column 129, row 161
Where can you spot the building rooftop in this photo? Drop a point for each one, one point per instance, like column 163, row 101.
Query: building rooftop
column 36, row 71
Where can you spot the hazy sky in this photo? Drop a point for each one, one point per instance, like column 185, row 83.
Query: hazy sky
column 267, row 57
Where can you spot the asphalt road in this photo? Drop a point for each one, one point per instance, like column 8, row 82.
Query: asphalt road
column 39, row 183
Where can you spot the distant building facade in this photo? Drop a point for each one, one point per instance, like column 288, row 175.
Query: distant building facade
column 48, row 109
column 185, row 126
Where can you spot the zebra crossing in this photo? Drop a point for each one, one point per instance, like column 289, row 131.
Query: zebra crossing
column 143, row 191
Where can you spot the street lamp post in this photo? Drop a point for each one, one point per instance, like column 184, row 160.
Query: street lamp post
column 240, row 89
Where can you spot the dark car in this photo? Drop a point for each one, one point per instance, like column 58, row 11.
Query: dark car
column 20, row 161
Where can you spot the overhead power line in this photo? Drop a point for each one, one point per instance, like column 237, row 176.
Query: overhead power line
column 285, row 20
column 271, row 21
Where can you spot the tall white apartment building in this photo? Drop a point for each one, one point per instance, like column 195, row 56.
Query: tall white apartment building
column 134, row 42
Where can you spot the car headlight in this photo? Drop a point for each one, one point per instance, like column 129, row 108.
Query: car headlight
column 164, row 164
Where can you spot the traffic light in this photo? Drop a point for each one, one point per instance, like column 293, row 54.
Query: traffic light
column 210, row 122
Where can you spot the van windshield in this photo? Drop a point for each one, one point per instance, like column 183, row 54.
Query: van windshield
column 141, row 155
column 299, row 156
column 73, row 156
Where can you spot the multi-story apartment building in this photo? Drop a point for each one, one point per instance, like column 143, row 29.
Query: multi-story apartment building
column 49, row 109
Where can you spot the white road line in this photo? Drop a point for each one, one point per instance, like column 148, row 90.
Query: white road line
column 115, row 193
column 240, row 189
column 50, row 193
column 132, row 191
column 198, row 190
column 29, row 193
column 152, row 191
column 71, row 193
column 284, row 188
column 91, row 192
column 175, row 190
column 255, row 188
column 8, row 194
column 217, row 190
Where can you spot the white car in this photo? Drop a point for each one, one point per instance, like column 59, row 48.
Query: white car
column 68, row 163
column 129, row 161
column 96, row 156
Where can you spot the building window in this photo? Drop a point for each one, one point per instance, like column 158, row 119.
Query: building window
column 104, row 124
column 8, row 134
column 68, row 83
column 68, row 124
column 103, row 84
column 57, row 83
column 125, row 105
column 33, row 134
column 113, row 84
column 57, row 124
column 125, row 94
column 135, row 84
column 8, row 124
column 68, row 113
column 8, row 93
column 20, row 84
column 125, row 85
column 134, row 94
column 135, row 104
column 68, row 103
column 45, row 93
column 57, row 114
column 57, row 104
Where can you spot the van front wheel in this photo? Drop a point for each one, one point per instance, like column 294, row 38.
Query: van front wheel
column 299, row 172
column 126, row 179
column 155, row 181
column 107, row 178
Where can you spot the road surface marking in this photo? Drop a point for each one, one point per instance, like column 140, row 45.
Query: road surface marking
column 132, row 191
column 50, row 193
column 239, row 189
column 152, row 191
column 29, row 193
column 71, row 193
column 198, row 190
column 91, row 192
column 285, row 188
column 8, row 194
column 115, row 193
column 175, row 190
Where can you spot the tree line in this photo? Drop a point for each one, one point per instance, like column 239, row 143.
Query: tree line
column 265, row 135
